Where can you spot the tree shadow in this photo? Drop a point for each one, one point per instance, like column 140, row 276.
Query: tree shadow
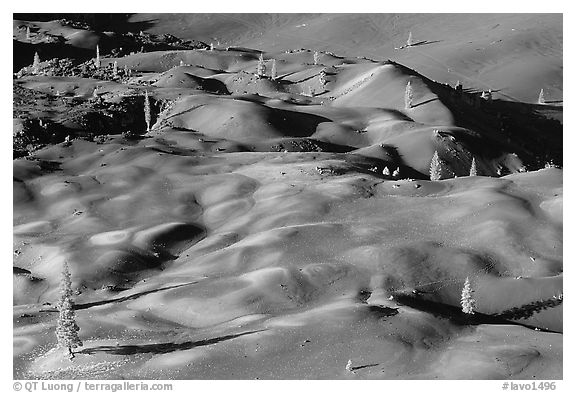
column 455, row 314
column 424, row 102
column 419, row 43
column 364, row 366
column 551, row 104
column 425, row 42
column 120, row 299
column 162, row 347
column 527, row 310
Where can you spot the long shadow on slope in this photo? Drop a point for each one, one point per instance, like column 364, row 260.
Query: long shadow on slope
column 527, row 310
column 455, row 314
column 163, row 347
column 121, row 299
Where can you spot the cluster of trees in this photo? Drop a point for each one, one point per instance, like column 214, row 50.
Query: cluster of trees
column 438, row 169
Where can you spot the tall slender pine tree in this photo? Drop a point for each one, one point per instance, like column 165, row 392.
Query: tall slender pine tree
column 273, row 72
column 473, row 169
column 97, row 60
column 435, row 167
column 410, row 40
column 36, row 63
column 67, row 329
column 261, row 67
column 408, row 96
column 147, row 114
column 541, row 99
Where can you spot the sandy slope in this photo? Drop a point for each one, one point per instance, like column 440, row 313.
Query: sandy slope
column 255, row 233
column 514, row 54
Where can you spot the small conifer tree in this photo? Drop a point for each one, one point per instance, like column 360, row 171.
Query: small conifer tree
column 97, row 60
column 467, row 300
column 349, row 366
column 396, row 172
column 322, row 78
column 473, row 168
column 261, row 67
column 147, row 115
column 541, row 99
column 386, row 171
column 410, row 40
column 67, row 329
column 273, row 71
column 316, row 57
column 36, row 63
column 435, row 167
column 408, row 96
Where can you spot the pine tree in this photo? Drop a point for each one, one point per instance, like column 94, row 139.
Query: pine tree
column 261, row 68
column 316, row 58
column 273, row 72
column 541, row 99
column 147, row 115
column 349, row 366
column 410, row 40
column 322, row 78
column 67, row 329
column 386, row 171
column 435, row 167
column 473, row 168
column 396, row 172
column 467, row 301
column 408, row 96
column 36, row 64
column 97, row 60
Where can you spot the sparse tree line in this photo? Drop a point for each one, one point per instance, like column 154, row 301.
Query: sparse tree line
column 438, row 169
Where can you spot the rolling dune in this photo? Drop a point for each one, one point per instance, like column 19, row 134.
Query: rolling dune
column 278, row 228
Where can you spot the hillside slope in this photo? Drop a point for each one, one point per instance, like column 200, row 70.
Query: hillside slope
column 282, row 226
